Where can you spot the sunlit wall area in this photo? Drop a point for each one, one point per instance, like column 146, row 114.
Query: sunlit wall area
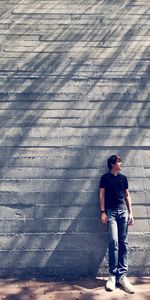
column 74, row 89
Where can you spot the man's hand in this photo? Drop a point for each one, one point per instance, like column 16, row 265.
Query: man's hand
column 130, row 219
column 104, row 218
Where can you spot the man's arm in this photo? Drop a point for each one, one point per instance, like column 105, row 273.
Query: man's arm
column 102, row 206
column 129, row 206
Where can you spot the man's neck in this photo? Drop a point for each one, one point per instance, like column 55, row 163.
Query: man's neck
column 114, row 172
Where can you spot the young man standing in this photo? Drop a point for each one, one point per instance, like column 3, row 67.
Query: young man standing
column 116, row 212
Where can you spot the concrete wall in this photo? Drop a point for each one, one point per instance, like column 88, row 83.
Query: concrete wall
column 74, row 88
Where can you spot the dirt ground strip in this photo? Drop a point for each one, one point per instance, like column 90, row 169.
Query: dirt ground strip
column 84, row 289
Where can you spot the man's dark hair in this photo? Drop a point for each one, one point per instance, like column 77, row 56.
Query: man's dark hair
column 112, row 160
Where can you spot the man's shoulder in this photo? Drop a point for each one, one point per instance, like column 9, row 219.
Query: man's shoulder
column 122, row 175
column 104, row 180
column 106, row 175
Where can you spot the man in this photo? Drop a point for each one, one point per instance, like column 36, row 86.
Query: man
column 116, row 212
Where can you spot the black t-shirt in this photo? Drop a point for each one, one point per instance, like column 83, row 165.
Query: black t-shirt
column 114, row 190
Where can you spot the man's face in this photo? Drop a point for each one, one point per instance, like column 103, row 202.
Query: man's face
column 118, row 165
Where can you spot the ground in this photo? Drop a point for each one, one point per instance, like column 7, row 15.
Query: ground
column 83, row 289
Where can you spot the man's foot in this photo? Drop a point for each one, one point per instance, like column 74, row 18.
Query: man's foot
column 127, row 286
column 111, row 283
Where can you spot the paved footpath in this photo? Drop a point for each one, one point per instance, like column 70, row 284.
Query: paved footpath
column 83, row 289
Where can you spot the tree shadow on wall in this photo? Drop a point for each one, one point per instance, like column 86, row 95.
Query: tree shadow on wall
column 77, row 243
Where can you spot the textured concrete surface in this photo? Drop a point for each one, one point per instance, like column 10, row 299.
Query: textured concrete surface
column 74, row 88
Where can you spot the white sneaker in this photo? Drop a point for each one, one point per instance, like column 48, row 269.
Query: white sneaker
column 111, row 283
column 125, row 283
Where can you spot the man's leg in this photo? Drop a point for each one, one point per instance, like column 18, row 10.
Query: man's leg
column 123, row 242
column 113, row 249
column 123, row 251
column 112, row 241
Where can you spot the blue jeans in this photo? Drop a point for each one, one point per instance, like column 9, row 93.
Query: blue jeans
column 118, row 241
